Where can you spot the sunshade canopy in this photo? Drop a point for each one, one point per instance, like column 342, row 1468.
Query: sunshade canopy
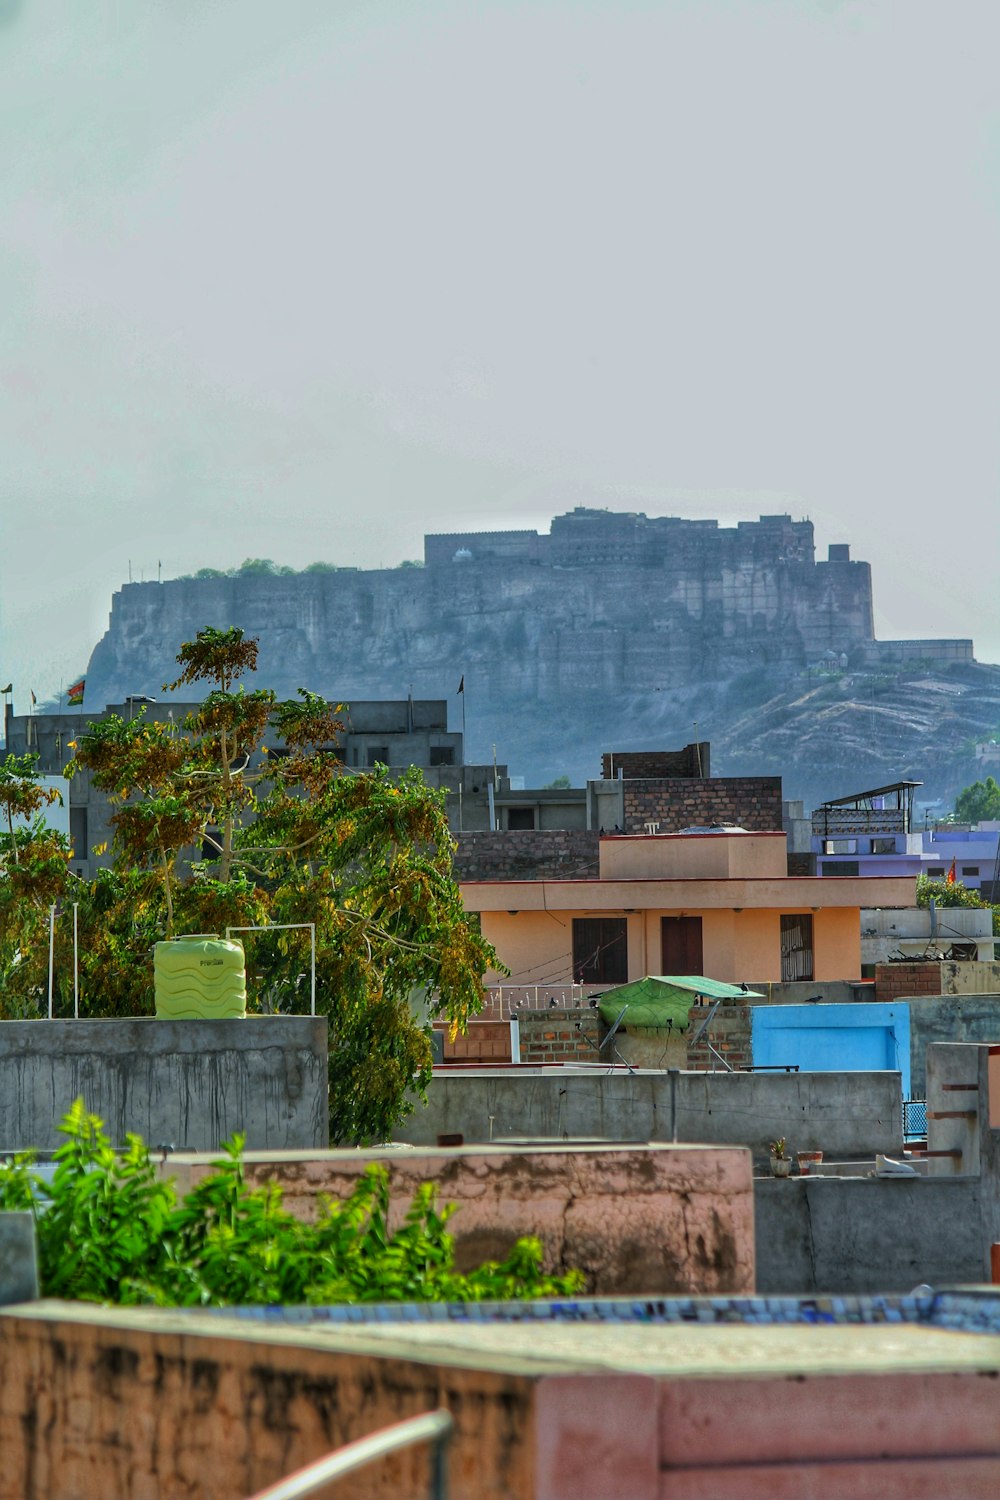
column 662, row 998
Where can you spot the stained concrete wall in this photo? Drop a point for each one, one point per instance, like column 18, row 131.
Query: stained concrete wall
column 131, row 1404
column 853, row 1235
column 19, row 1257
column 640, row 1221
column 108, row 1404
column 948, row 1018
column 842, row 1114
column 190, row 1083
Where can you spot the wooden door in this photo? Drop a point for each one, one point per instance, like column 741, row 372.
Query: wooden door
column 681, row 946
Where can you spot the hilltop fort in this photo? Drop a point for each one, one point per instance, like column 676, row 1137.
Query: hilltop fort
column 565, row 641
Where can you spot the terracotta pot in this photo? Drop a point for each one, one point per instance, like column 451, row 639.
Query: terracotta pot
column 807, row 1160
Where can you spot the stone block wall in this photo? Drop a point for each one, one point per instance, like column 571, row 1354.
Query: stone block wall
column 750, row 802
column 730, row 1034
column 552, row 1035
column 535, row 854
column 693, row 760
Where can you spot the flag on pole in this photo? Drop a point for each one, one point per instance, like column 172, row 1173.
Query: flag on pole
column 34, row 700
column 461, row 685
column 75, row 693
column 950, row 877
column 9, row 688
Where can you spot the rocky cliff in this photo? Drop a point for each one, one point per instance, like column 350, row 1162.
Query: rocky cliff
column 611, row 631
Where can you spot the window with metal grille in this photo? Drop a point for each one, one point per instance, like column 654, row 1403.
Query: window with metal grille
column 377, row 755
column 797, row 947
column 600, row 950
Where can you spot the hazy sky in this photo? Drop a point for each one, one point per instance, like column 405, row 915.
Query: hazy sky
column 306, row 278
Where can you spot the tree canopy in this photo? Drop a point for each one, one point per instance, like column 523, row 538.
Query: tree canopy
column 244, row 816
column 979, row 802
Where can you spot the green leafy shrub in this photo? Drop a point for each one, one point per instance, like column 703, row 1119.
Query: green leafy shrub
column 947, row 893
column 110, row 1230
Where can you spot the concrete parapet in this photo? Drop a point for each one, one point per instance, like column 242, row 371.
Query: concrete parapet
column 190, row 1083
column 865, row 1234
column 843, row 1114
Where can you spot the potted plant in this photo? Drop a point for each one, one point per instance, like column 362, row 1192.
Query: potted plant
column 807, row 1160
column 781, row 1161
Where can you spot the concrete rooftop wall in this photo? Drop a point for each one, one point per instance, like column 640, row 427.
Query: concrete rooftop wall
column 854, row 1235
column 190, row 1083
column 842, row 1114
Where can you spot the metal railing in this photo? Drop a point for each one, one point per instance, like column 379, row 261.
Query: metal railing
column 433, row 1427
column 914, row 1119
column 503, row 1001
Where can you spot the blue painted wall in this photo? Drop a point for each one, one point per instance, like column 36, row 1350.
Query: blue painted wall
column 833, row 1038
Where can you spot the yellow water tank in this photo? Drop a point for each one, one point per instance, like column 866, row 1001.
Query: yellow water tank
column 199, row 978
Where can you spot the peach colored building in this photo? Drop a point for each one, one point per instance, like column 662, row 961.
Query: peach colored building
column 718, row 904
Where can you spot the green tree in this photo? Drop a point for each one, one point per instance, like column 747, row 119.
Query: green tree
column 946, row 893
column 109, row 1229
column 296, row 838
column 979, row 802
column 34, row 875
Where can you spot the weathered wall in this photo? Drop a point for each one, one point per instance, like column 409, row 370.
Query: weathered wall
column 651, row 1220
column 100, row 1404
column 693, row 760
column 751, row 802
column 948, row 1018
column 535, row 854
column 570, row 1034
column 949, row 978
column 866, row 1234
column 848, row 1115
column 729, row 1033
column 483, row 1042
column 19, row 1258
column 190, row 1083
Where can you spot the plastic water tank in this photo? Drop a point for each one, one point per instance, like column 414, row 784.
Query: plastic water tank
column 199, row 979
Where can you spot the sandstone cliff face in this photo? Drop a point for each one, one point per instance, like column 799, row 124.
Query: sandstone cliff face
column 611, row 630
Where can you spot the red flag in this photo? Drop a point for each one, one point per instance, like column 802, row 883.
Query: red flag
column 950, row 877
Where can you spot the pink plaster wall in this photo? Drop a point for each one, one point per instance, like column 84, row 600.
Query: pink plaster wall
column 643, row 1220
column 141, row 1404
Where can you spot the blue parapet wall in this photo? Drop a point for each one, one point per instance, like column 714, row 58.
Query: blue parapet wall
column 833, row 1038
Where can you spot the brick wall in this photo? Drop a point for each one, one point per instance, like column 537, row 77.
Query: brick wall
column 801, row 864
column 484, row 1042
column 729, row 1034
column 551, row 1035
column 893, row 980
column 693, row 760
column 750, row 802
column 536, row 854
